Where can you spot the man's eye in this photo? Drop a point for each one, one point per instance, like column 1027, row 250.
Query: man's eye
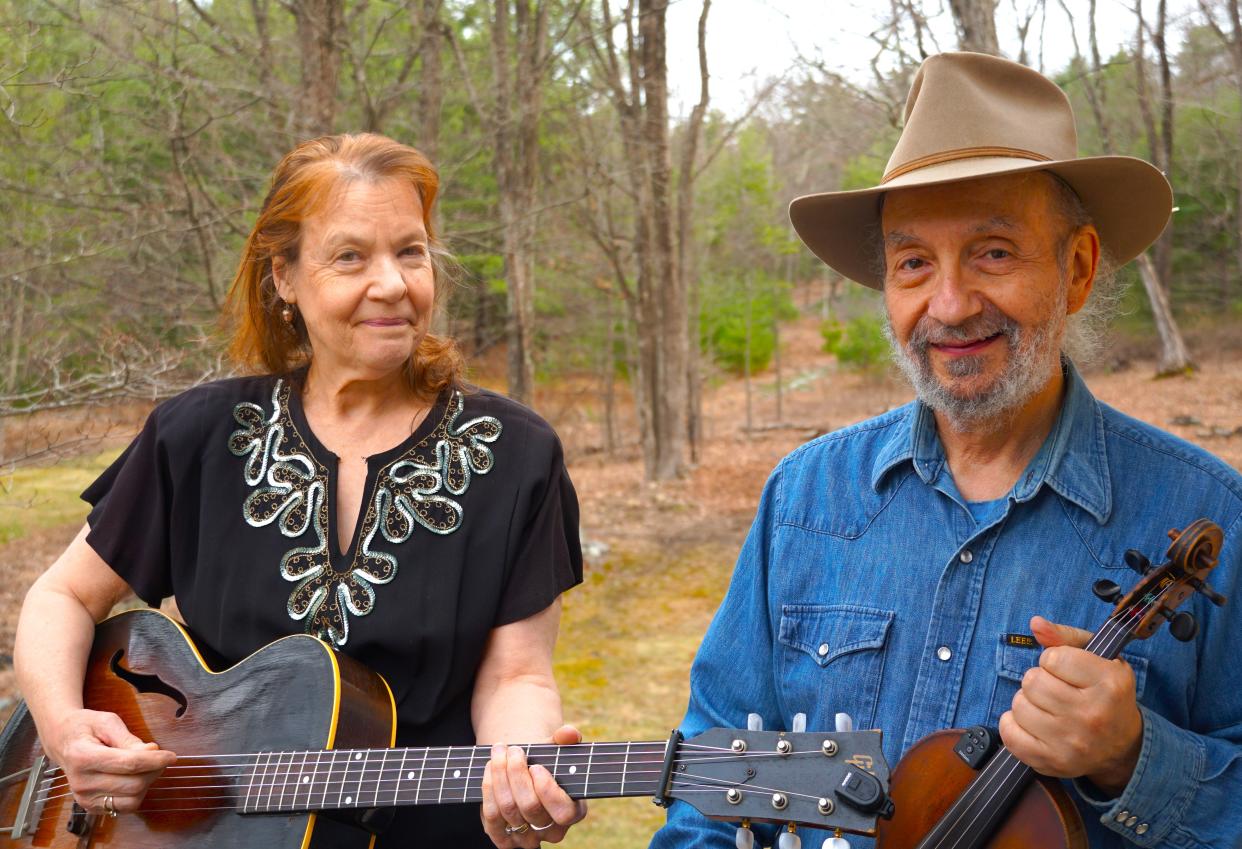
column 997, row 253
column 911, row 264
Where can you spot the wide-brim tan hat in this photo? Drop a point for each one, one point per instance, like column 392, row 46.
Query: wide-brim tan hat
column 970, row 115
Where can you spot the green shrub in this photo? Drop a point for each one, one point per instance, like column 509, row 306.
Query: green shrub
column 859, row 344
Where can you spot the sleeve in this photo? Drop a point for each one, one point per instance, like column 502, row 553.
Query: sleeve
column 1184, row 791
column 132, row 502
column 548, row 558
column 732, row 677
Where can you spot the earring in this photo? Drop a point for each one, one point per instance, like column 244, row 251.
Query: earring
column 286, row 313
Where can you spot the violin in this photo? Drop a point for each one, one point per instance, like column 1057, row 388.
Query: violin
column 958, row 789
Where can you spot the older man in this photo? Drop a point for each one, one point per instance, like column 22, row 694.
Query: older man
column 897, row 569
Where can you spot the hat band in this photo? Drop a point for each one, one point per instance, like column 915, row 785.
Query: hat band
column 961, row 153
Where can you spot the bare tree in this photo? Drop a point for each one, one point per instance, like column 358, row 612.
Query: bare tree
column 1231, row 38
column 976, row 25
column 320, row 28
column 1155, row 270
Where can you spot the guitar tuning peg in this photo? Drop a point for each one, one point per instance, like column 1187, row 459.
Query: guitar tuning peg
column 789, row 840
column 745, row 838
column 843, row 723
column 836, row 843
column 1137, row 561
column 754, row 722
column 799, row 723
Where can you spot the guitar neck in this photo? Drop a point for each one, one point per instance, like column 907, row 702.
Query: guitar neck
column 271, row 782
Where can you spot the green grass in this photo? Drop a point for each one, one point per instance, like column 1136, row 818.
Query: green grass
column 623, row 659
column 47, row 496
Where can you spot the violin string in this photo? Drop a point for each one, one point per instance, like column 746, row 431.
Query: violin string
column 1114, row 630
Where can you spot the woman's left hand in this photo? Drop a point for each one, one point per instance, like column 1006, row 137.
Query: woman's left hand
column 523, row 805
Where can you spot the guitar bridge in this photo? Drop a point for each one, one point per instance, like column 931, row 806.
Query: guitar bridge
column 30, row 808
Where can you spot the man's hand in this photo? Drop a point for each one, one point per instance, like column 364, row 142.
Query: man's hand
column 1076, row 714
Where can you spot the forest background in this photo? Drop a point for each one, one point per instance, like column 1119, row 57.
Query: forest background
column 624, row 261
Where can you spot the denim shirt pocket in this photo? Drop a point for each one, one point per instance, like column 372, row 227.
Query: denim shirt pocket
column 832, row 661
column 1013, row 661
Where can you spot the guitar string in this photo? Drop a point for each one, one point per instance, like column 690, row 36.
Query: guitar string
column 375, row 774
column 291, row 767
column 1116, row 628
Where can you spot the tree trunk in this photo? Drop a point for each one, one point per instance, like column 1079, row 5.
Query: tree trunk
column 320, row 26
column 671, row 346
column 431, row 78
column 976, row 25
column 687, row 259
column 1174, row 357
column 519, row 60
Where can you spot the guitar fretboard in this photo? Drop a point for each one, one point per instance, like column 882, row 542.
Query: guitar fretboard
column 271, row 782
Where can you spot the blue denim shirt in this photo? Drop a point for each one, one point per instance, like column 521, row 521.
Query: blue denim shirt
column 866, row 586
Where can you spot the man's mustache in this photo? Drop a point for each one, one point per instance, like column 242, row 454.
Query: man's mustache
column 929, row 331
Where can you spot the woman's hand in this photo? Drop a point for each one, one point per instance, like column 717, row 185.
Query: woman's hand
column 108, row 768
column 523, row 805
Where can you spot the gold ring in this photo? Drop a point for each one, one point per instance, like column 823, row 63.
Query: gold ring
column 108, row 807
column 518, row 829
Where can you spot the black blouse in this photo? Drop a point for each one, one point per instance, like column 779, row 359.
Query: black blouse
column 225, row 500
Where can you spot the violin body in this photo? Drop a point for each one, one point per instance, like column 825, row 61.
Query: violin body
column 931, row 777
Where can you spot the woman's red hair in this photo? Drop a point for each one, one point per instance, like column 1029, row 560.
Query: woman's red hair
column 301, row 185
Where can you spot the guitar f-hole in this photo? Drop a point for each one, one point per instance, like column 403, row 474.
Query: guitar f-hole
column 147, row 683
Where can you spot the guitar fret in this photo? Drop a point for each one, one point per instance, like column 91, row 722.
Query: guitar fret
column 362, row 775
column 418, row 787
column 625, row 767
column 585, row 784
column 465, row 785
column 444, row 775
column 254, row 771
column 396, row 790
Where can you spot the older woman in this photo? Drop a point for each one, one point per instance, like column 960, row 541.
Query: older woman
column 353, row 489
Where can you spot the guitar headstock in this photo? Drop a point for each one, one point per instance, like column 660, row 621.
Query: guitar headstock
column 830, row 780
column 1191, row 556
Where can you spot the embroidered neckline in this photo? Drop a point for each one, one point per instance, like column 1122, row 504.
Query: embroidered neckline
column 289, row 488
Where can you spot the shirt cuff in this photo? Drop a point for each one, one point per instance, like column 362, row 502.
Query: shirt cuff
column 1151, row 807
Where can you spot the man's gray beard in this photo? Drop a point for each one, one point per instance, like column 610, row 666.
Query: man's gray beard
column 1032, row 355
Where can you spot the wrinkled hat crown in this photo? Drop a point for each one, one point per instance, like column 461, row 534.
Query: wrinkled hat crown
column 968, row 105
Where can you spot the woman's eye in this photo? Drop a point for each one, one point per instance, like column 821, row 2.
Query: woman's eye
column 414, row 250
column 348, row 256
column 911, row 264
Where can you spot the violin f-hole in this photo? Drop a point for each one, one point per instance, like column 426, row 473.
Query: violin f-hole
column 144, row 683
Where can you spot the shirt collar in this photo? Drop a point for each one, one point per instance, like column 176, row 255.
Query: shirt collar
column 1073, row 460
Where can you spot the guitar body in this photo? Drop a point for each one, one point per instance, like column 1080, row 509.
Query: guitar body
column 295, row 694
column 931, row 777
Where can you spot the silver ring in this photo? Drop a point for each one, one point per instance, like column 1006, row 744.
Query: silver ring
column 519, row 829
column 108, row 807
column 542, row 827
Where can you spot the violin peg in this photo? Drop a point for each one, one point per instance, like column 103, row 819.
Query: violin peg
column 1183, row 627
column 799, row 723
column 1212, row 595
column 1137, row 561
column 745, row 838
column 754, row 722
column 1106, row 590
column 789, row 840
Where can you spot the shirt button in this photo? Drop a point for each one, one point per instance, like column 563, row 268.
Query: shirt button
column 1142, row 828
column 1121, row 816
column 823, row 649
column 966, row 556
column 1131, row 821
column 944, row 653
